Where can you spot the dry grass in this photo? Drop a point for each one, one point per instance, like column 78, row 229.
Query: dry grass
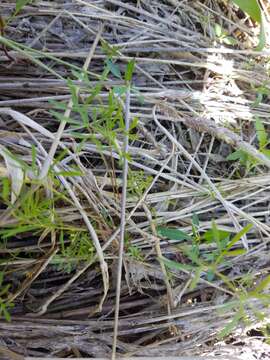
column 199, row 106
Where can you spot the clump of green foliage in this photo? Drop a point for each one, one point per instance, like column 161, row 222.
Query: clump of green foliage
column 206, row 265
column 133, row 251
column 94, row 120
column 33, row 215
column 138, row 182
column 78, row 247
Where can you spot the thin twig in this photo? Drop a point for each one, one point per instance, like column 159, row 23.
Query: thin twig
column 122, row 223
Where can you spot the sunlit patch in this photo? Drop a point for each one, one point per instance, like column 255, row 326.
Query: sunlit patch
column 220, row 65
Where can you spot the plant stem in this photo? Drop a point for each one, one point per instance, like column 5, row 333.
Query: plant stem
column 122, row 223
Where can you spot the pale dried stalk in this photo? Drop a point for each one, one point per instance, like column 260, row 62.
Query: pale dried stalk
column 204, row 125
column 228, row 206
column 141, row 358
column 34, row 274
column 122, row 224
column 161, row 263
column 43, row 173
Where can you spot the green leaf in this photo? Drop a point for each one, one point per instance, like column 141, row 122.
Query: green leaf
column 134, row 123
column 120, row 90
column 229, row 40
column 236, row 252
column 58, row 105
column 218, row 30
column 74, row 92
column 230, row 326
column 1, row 277
column 261, row 133
column 20, row 4
column 212, row 236
column 4, row 289
column 108, row 49
column 236, row 155
column 238, row 236
column 258, row 100
column 6, row 313
column 259, row 315
column 5, row 190
column 62, row 117
column 34, row 158
column 7, row 233
column 195, row 226
column 173, row 234
column 210, row 275
column 129, row 70
column 195, row 220
column 114, row 69
column 262, row 36
column 70, row 173
column 175, row 265
column 193, row 253
column 263, row 285
column 266, row 152
column 195, row 279
column 140, row 97
column 234, row 240
column 251, row 7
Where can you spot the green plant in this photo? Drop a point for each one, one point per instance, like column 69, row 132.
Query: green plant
column 20, row 5
column 132, row 250
column 206, row 265
column 5, row 304
column 266, row 333
column 263, row 141
column 34, row 211
column 223, row 36
column 78, row 247
column 93, row 118
column 138, row 182
column 245, row 304
column 252, row 8
column 34, row 214
column 261, row 91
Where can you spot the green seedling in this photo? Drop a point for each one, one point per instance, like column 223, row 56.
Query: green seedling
column 261, row 92
column 244, row 303
column 223, row 36
column 207, row 267
column 93, row 118
column 208, row 263
column 138, row 182
column 247, row 160
column 132, row 250
column 78, row 248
